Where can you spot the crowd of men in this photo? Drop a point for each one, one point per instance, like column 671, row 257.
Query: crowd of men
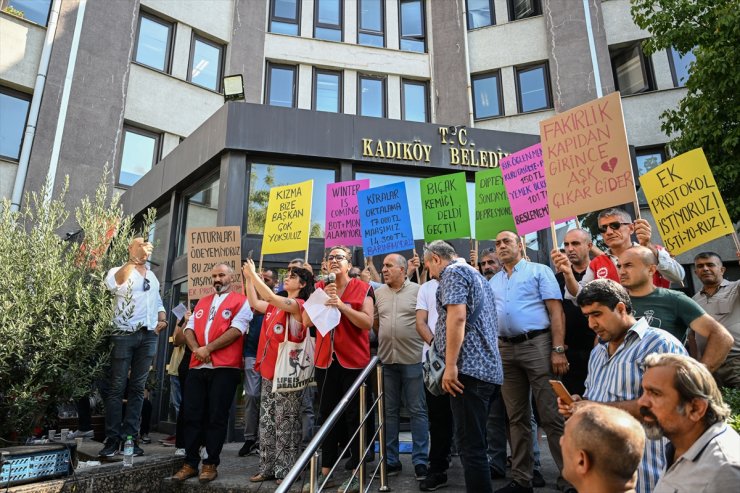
column 642, row 363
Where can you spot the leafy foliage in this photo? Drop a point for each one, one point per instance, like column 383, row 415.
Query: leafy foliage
column 55, row 312
column 709, row 115
column 732, row 399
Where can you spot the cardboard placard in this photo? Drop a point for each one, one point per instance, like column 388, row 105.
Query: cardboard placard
column 587, row 161
column 385, row 219
column 343, row 213
column 444, row 207
column 524, row 179
column 686, row 204
column 207, row 247
column 492, row 208
column 288, row 221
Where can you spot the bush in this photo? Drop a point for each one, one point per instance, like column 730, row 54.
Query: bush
column 55, row 312
column 732, row 398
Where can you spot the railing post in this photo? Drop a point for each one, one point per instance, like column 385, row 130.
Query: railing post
column 381, row 424
column 313, row 472
column 363, row 412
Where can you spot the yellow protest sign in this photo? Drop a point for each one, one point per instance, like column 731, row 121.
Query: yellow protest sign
column 685, row 201
column 288, row 221
column 587, row 161
column 207, row 247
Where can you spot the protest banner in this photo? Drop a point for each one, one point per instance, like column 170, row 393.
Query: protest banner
column 586, row 158
column 207, row 247
column 524, row 179
column 444, row 201
column 686, row 204
column 385, row 220
column 343, row 213
column 492, row 209
column 288, row 220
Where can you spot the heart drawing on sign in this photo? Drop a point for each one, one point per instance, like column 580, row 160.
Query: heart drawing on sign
column 609, row 166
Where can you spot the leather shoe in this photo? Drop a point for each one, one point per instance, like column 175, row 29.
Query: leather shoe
column 186, row 472
column 208, row 473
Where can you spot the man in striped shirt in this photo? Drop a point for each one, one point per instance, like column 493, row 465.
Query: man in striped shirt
column 614, row 369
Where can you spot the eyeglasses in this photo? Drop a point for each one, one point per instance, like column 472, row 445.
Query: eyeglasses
column 338, row 258
column 613, row 225
column 147, row 284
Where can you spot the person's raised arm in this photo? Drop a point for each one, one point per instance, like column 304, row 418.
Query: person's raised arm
column 267, row 294
column 563, row 265
column 250, row 280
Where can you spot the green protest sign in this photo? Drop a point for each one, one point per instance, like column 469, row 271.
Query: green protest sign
column 492, row 209
column 444, row 202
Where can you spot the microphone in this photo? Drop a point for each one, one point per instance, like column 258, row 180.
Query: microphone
column 331, row 278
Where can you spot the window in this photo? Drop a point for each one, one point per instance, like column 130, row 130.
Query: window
column 200, row 210
column 633, row 72
column 281, row 86
column 486, row 95
column 371, row 95
column 262, row 177
column 680, row 65
column 154, row 43
column 327, row 91
column 13, row 116
column 33, row 10
column 480, row 13
column 647, row 159
column 533, row 88
column 412, row 25
column 521, row 9
column 327, row 20
column 284, row 16
column 370, row 23
column 139, row 152
column 205, row 63
column 414, row 96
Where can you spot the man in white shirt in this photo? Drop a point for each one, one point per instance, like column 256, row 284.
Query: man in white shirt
column 137, row 319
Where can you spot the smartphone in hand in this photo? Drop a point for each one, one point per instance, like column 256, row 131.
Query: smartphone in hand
column 561, row 391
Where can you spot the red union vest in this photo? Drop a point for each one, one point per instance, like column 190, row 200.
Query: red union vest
column 351, row 344
column 231, row 355
column 603, row 268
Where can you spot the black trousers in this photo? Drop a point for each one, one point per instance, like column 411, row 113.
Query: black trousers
column 209, row 394
column 440, row 431
column 333, row 383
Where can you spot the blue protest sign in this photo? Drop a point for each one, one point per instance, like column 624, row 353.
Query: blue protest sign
column 385, row 221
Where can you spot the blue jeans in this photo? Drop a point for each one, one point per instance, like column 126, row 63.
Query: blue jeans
column 252, row 389
column 409, row 380
column 175, row 393
column 133, row 352
column 470, row 411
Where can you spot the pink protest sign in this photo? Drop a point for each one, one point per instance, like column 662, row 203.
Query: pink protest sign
column 342, row 213
column 524, row 179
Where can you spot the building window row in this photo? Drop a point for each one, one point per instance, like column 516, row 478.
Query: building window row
column 328, row 21
column 154, row 45
column 633, row 70
column 532, row 90
column 327, row 93
column 481, row 12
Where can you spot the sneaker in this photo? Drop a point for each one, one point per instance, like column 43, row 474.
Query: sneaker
column 319, row 482
column 145, row 439
column 515, row 487
column 350, row 485
column 393, row 469
column 433, row 481
column 538, row 481
column 112, row 445
column 180, row 452
column 246, row 448
column 85, row 435
column 421, row 471
column 138, row 451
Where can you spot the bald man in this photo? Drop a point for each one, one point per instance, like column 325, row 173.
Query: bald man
column 602, row 447
column 668, row 309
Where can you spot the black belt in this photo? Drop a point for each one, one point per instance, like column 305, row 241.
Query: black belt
column 524, row 337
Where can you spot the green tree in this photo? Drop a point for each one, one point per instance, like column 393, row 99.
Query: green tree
column 55, row 312
column 709, row 115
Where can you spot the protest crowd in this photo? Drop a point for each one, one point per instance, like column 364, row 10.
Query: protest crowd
column 483, row 349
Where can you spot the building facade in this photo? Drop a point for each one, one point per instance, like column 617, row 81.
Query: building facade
column 331, row 88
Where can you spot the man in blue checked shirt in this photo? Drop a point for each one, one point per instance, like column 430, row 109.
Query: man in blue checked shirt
column 614, row 370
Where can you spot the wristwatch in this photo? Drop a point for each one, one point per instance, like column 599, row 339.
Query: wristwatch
column 558, row 349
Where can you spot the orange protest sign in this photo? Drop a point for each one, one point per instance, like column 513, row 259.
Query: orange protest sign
column 587, row 161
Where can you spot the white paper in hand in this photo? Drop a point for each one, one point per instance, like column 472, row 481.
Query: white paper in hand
column 179, row 311
column 325, row 318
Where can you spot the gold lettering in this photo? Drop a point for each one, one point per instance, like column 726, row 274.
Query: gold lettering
column 494, row 159
column 427, row 149
column 454, row 155
column 483, row 159
column 443, row 135
column 407, row 152
column 465, row 155
column 473, row 161
column 390, row 149
column 462, row 136
column 366, row 150
column 379, row 150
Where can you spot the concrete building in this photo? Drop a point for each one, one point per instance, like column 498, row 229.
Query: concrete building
column 125, row 82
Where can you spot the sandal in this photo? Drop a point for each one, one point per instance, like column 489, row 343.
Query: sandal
column 259, row 478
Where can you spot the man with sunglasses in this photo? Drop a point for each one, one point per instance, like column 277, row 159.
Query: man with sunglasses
column 616, row 228
column 138, row 318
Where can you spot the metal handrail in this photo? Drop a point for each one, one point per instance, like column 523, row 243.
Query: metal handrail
column 310, row 454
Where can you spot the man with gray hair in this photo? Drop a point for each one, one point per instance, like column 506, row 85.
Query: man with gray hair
column 681, row 402
column 399, row 348
column 466, row 334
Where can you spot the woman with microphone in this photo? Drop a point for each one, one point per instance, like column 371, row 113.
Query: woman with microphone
column 343, row 353
column 280, row 417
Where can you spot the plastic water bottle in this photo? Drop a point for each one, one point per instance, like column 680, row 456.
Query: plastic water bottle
column 128, row 452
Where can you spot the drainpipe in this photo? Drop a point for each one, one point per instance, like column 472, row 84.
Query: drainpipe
column 469, row 88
